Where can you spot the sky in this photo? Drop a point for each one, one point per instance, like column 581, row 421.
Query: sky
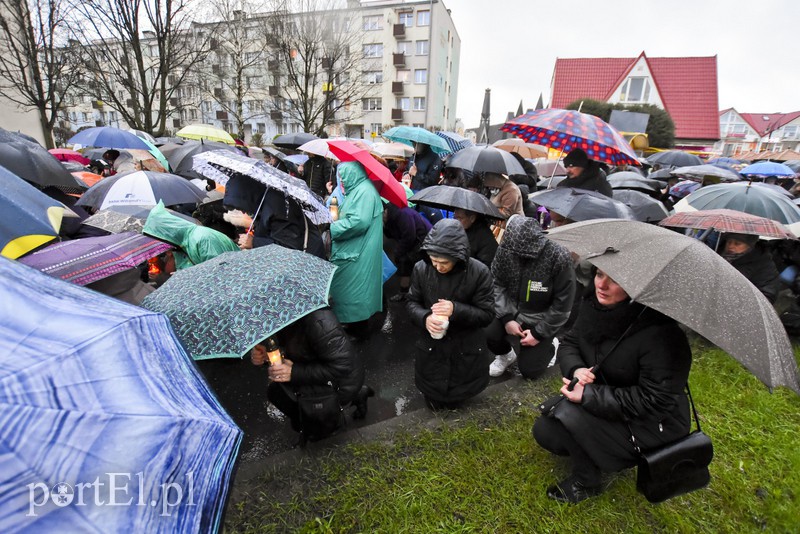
column 511, row 46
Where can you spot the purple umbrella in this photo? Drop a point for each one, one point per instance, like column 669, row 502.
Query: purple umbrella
column 87, row 260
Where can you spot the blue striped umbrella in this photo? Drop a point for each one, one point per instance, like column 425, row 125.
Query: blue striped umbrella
column 454, row 141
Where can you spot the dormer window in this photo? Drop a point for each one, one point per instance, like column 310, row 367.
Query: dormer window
column 635, row 90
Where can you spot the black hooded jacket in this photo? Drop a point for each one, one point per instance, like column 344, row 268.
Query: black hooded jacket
column 592, row 178
column 757, row 266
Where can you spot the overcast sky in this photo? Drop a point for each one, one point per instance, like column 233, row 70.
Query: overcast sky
column 511, row 46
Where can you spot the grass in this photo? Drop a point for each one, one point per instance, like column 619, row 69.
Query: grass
column 479, row 470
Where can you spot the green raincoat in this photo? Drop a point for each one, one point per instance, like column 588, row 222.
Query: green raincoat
column 196, row 243
column 357, row 247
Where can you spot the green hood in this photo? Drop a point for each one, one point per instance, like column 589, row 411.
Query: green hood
column 351, row 173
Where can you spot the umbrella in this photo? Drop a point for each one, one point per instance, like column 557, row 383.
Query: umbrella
column 644, row 207
column 297, row 159
column 180, row 156
column 699, row 172
column 88, row 178
column 205, row 132
column 686, row 280
column 674, row 158
column 725, row 220
column 144, row 135
column 65, row 154
column 392, row 150
column 550, row 182
column 632, row 180
column 274, row 152
column 28, row 217
column 681, row 189
column 450, row 198
column 221, row 165
column 293, row 140
column 96, row 392
column 109, row 137
column 725, row 161
column 318, row 147
column 135, row 159
column 31, row 162
column 118, row 219
column 225, row 306
column 661, row 174
column 775, row 188
column 83, row 261
column 485, row 159
column 567, row 129
column 581, row 204
column 140, row 188
column 387, row 185
column 767, row 168
column 454, row 141
column 410, row 135
column 526, row 150
column 550, row 168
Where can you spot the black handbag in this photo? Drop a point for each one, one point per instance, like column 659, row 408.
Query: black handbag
column 676, row 468
column 320, row 412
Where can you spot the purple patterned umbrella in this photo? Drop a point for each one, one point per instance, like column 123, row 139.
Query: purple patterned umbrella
column 567, row 129
column 87, row 260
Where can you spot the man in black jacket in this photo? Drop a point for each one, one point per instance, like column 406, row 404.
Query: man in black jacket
column 584, row 173
column 744, row 253
column 426, row 168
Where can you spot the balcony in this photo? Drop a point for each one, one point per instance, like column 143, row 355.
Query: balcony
column 399, row 60
column 399, row 30
column 397, row 88
column 273, row 64
column 273, row 90
column 397, row 114
column 173, row 102
column 217, row 92
column 276, row 115
column 176, row 123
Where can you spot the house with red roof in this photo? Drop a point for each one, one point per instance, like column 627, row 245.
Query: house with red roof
column 686, row 87
column 757, row 132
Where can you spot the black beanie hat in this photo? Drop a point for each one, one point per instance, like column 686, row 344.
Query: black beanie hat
column 749, row 239
column 576, row 157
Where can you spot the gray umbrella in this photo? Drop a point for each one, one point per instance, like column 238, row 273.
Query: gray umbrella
column 634, row 180
column 644, row 207
column 686, row 280
column 180, row 157
column 450, row 198
column 581, row 204
column 674, row 158
column 31, row 162
column 698, row 172
column 485, row 159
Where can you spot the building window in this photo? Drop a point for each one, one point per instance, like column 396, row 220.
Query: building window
column 790, row 132
column 372, row 23
column 419, row 103
column 407, row 19
column 404, row 47
column 418, row 125
column 423, row 18
column 85, row 117
column 373, row 50
column 422, row 48
column 403, row 75
column 371, row 104
column 635, row 90
column 421, row 76
column 373, row 76
column 376, row 128
column 404, row 103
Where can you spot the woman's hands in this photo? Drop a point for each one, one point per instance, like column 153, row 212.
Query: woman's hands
column 281, row 372
column 434, row 325
column 443, row 308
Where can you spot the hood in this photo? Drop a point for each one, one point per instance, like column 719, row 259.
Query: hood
column 449, row 238
column 350, row 174
column 163, row 225
column 523, row 236
column 244, row 194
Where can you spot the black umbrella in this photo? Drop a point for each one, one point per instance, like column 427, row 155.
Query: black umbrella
column 644, row 207
column 674, row 158
column 581, row 204
column 180, row 157
column 635, row 181
column 485, row 159
column 293, row 140
column 450, row 198
column 661, row 174
column 31, row 162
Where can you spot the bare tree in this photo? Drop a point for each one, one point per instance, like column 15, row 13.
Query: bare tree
column 317, row 64
column 37, row 66
column 139, row 52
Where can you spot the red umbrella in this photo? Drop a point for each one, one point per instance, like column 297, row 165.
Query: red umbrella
column 388, row 187
column 65, row 154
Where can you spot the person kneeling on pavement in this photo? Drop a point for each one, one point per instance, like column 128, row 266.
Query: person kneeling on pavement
column 451, row 299
column 534, row 284
column 319, row 364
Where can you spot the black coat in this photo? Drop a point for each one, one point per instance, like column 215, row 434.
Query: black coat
column 758, row 267
column 592, row 178
column 429, row 167
column 640, row 383
column 318, row 171
column 482, row 244
column 453, row 368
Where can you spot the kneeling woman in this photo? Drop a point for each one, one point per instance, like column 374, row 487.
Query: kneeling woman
column 638, row 388
column 451, row 299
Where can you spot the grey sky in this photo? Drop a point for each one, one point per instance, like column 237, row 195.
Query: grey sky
column 511, row 46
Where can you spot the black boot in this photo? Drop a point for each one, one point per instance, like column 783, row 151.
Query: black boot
column 360, row 401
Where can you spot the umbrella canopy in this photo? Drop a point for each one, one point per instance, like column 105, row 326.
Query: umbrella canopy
column 220, row 166
column 725, row 161
column 524, row 149
column 775, row 188
column 91, row 387
column 724, row 220
column 661, row 174
column 392, row 150
column 180, row 156
column 633, row 180
column 119, row 219
column 109, row 137
column 225, row 306
column 644, row 207
column 684, row 188
column 144, row 135
column 88, row 178
column 388, row 187
column 455, row 141
column 685, row 279
column 293, row 140
column 550, row 182
column 65, row 154
column 451, row 198
column 141, row 188
column 410, row 135
column 674, row 158
column 83, row 261
column 567, row 129
column 205, row 132
column 699, row 172
column 297, row 159
column 318, row 147
column 31, row 162
column 485, row 159
column 135, row 159
column 767, row 168
column 28, row 217
column 581, row 204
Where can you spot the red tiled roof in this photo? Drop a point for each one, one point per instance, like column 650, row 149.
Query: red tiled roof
column 763, row 123
column 687, row 86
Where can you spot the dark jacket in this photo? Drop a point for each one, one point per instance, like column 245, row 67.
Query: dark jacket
column 758, row 267
column 640, row 383
column 406, row 226
column 318, row 171
column 592, row 178
column 482, row 244
column 453, row 368
column 429, row 167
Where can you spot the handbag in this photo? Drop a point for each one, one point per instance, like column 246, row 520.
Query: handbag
column 676, row 468
column 320, row 412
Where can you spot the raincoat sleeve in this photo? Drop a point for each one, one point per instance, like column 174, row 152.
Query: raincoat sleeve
column 478, row 312
column 415, row 303
column 356, row 219
column 557, row 314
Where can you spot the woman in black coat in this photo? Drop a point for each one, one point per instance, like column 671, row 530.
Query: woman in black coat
column 638, row 388
column 451, row 300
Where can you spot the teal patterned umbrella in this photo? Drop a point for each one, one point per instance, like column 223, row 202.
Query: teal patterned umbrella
column 223, row 307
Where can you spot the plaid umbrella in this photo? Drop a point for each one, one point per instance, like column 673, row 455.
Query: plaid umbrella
column 728, row 221
column 566, row 129
column 454, row 141
column 83, row 261
column 223, row 307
